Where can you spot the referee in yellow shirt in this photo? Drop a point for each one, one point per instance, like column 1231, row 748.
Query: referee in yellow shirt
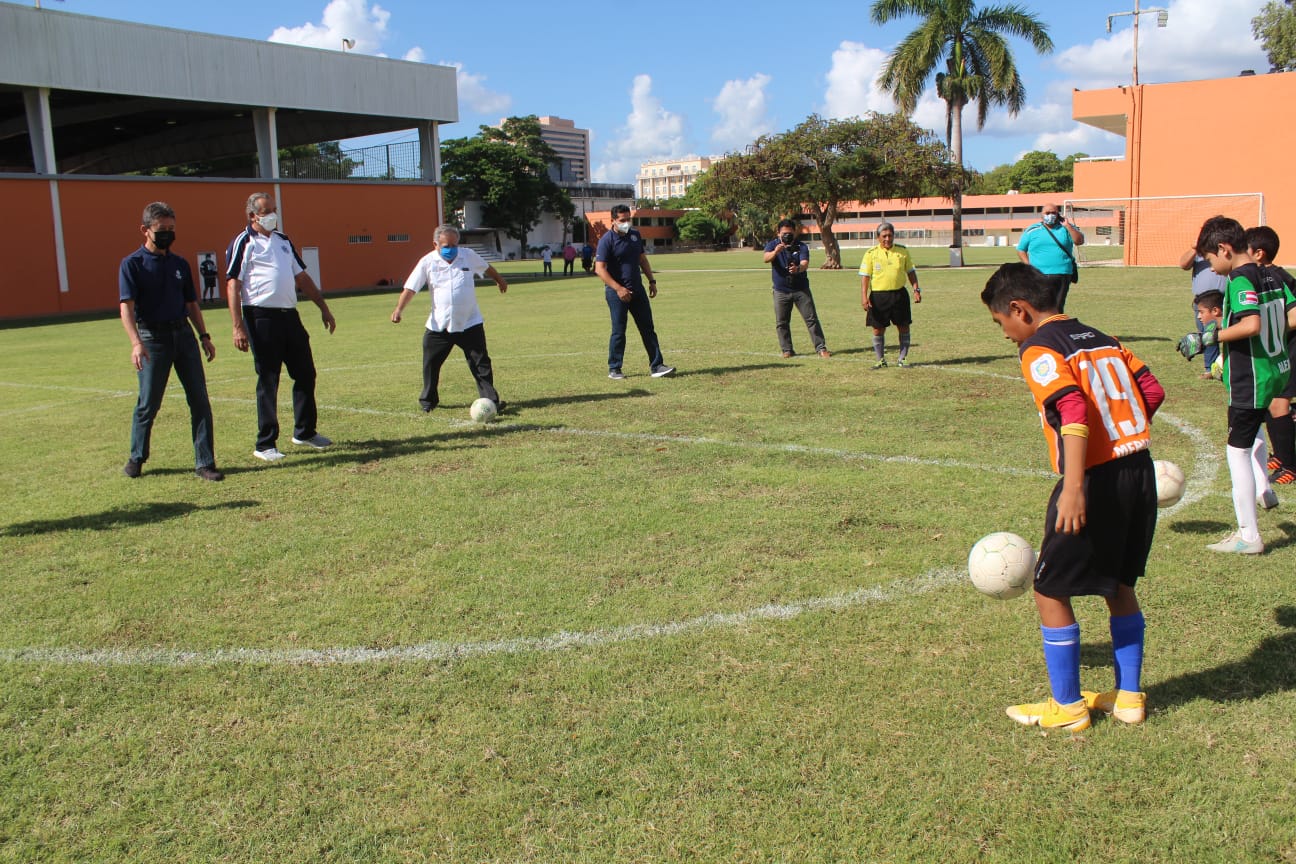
column 883, row 296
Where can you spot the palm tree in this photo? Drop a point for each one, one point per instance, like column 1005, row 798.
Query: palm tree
column 977, row 65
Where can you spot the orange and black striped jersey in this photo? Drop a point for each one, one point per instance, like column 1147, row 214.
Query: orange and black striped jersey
column 1064, row 356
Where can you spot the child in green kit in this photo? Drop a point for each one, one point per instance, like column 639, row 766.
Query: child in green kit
column 1252, row 335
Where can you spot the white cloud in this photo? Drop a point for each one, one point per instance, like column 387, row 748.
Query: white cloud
column 650, row 132
column 852, row 89
column 744, row 113
column 474, row 92
column 1202, row 39
column 414, row 55
column 342, row 19
column 1080, row 139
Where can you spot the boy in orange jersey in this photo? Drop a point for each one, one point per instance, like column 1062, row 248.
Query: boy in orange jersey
column 1095, row 401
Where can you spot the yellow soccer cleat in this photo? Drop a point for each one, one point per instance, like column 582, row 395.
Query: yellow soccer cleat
column 1125, row 705
column 1052, row 715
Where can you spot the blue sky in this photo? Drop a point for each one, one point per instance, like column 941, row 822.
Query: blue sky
column 667, row 78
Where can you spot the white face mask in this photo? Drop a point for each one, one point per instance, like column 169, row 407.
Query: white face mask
column 623, row 227
column 269, row 221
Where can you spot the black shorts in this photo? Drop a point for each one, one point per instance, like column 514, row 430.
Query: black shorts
column 887, row 308
column 1289, row 392
column 1112, row 549
column 1244, row 425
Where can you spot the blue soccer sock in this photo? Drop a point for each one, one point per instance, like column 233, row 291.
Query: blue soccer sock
column 1127, row 650
column 879, row 346
column 1062, row 657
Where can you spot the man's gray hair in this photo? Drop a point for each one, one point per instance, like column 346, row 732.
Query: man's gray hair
column 155, row 211
column 443, row 230
column 885, row 226
column 252, row 208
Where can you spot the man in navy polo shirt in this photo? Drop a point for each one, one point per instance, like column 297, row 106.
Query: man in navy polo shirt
column 618, row 262
column 158, row 301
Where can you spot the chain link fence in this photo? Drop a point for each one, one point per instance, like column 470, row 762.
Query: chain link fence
column 328, row 161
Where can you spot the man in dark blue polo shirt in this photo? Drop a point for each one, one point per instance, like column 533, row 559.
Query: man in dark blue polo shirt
column 618, row 262
column 158, row 301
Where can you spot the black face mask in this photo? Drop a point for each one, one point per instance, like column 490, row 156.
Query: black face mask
column 163, row 239
column 787, row 239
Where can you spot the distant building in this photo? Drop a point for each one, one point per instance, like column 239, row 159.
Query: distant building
column 550, row 231
column 670, row 178
column 571, row 145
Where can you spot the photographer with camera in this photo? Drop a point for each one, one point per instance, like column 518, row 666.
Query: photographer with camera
column 789, row 259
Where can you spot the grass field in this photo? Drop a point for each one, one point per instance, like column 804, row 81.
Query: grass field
column 719, row 617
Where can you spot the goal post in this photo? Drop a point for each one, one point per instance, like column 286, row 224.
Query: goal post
column 1153, row 231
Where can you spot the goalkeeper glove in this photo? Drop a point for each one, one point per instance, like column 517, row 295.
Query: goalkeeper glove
column 1192, row 344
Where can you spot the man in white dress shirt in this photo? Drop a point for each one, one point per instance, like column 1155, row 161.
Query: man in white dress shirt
column 455, row 320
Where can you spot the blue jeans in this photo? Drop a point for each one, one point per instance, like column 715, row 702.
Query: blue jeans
column 641, row 311
column 172, row 345
column 1209, row 352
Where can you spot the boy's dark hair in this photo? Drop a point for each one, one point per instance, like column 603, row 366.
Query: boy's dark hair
column 618, row 209
column 1217, row 231
column 1265, row 239
column 788, row 223
column 1019, row 281
column 155, row 211
column 1210, row 299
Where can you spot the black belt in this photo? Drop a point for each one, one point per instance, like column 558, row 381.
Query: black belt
column 266, row 310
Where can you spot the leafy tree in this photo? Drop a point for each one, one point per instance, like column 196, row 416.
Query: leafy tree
column 1036, row 171
column 1275, row 27
column 507, row 170
column 822, row 164
column 698, row 227
column 964, row 47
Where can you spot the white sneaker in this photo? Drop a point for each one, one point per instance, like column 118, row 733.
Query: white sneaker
column 1235, row 544
column 319, row 442
column 1268, row 499
column 271, row 455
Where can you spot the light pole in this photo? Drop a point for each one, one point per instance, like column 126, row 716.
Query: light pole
column 1163, row 17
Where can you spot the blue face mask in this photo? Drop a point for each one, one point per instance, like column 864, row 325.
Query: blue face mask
column 1050, row 219
column 449, row 252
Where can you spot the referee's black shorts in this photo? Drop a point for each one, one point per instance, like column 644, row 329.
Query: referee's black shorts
column 887, row 308
column 1112, row 549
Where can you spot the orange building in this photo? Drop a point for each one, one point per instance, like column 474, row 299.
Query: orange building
column 1218, row 137
column 85, row 128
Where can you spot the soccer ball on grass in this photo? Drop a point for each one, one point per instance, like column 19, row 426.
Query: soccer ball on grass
column 482, row 411
column 1001, row 565
column 1169, row 482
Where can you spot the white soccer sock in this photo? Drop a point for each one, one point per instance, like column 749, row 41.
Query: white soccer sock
column 1260, row 465
column 1244, row 491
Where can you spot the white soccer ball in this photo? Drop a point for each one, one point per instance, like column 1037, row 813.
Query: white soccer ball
column 482, row 411
column 1001, row 565
column 1169, row 482
column 1217, row 369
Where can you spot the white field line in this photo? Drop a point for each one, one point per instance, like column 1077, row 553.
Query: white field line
column 453, row 652
column 1201, row 480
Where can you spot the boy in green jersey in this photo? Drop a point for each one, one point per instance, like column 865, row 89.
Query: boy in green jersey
column 1252, row 335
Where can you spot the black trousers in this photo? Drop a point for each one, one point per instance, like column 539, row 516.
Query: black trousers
column 437, row 345
column 279, row 341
